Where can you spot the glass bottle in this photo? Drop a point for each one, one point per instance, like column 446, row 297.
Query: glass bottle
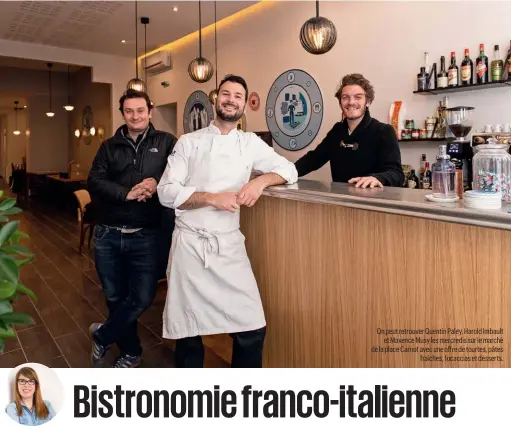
column 467, row 69
column 443, row 175
column 497, row 65
column 422, row 80
column 453, row 72
column 482, row 66
column 491, row 167
column 442, row 78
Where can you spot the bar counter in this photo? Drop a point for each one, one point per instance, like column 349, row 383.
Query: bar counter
column 379, row 278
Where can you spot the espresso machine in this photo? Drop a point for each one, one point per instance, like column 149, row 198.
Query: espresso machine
column 459, row 120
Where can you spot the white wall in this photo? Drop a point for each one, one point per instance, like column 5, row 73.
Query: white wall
column 164, row 117
column 114, row 70
column 383, row 40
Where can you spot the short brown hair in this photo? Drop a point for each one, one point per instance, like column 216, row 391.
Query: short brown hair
column 134, row 94
column 359, row 80
column 235, row 79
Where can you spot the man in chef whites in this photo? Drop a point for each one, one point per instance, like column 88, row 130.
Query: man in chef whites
column 211, row 286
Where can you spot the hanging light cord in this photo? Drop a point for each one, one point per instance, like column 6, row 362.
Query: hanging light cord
column 200, row 33
column 216, row 55
column 136, row 38
column 145, row 52
column 317, row 8
column 49, row 78
column 68, row 86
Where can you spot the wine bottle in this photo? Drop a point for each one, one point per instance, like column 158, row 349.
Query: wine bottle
column 422, row 80
column 508, row 63
column 482, row 66
column 413, row 180
column 467, row 69
column 453, row 71
column 426, row 180
column 497, row 65
column 442, row 78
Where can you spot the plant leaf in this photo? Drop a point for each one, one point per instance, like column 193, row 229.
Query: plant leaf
column 13, row 210
column 7, row 230
column 7, row 331
column 24, row 290
column 5, row 307
column 4, row 218
column 9, row 269
column 16, row 318
column 16, row 248
column 7, row 289
column 20, row 263
column 1, row 194
column 7, row 204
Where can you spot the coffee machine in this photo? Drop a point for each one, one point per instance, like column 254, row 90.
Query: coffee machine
column 459, row 120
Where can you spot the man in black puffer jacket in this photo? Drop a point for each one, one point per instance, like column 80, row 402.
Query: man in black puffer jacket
column 127, row 242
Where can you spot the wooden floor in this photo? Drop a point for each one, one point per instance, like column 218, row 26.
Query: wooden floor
column 70, row 298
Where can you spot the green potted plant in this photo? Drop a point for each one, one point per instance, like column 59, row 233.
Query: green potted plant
column 12, row 257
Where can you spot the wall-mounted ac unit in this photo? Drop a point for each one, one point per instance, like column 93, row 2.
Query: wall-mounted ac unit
column 157, row 62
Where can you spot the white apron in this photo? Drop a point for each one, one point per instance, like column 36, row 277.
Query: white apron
column 211, row 286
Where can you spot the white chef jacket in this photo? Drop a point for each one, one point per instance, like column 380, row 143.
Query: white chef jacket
column 211, row 286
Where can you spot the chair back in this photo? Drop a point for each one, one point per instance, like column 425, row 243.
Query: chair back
column 83, row 198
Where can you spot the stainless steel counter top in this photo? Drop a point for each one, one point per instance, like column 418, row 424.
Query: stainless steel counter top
column 403, row 201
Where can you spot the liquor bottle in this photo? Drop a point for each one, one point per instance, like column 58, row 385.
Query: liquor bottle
column 413, row 180
column 453, row 71
column 497, row 65
column 422, row 169
column 426, row 62
column 443, row 175
column 507, row 65
column 442, row 78
column 467, row 69
column 426, row 180
column 422, row 80
column 482, row 66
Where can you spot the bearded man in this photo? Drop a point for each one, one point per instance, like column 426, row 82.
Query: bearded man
column 361, row 150
column 211, row 286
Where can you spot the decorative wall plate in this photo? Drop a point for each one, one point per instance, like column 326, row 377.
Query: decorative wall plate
column 254, row 102
column 294, row 110
column 198, row 112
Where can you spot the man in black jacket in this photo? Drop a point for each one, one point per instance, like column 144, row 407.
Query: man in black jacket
column 122, row 183
column 361, row 150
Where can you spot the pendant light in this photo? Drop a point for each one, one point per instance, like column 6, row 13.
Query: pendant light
column 214, row 93
column 50, row 112
column 136, row 83
column 200, row 69
column 318, row 35
column 69, row 107
column 16, row 108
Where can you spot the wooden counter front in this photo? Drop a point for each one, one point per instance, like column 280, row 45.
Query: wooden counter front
column 331, row 276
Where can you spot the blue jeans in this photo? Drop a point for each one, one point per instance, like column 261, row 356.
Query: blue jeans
column 127, row 265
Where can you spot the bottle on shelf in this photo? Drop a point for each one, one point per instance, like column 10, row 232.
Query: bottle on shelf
column 426, row 182
column 442, row 78
column 422, row 80
column 413, row 180
column 497, row 65
column 507, row 65
column 432, row 78
column 422, row 168
column 426, row 62
column 467, row 69
column 453, row 72
column 443, row 175
column 482, row 66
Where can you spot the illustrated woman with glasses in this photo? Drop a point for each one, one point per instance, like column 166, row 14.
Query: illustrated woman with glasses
column 28, row 407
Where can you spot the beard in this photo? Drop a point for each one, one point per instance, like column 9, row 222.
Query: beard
column 231, row 117
column 355, row 114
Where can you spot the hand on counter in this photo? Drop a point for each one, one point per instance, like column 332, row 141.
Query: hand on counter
column 366, row 182
column 250, row 192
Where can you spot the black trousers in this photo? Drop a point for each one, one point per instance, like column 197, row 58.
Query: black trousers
column 247, row 350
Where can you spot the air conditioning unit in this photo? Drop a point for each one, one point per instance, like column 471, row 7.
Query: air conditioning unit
column 157, row 62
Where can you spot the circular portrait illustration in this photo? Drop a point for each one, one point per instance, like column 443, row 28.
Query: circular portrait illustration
column 36, row 394
column 198, row 112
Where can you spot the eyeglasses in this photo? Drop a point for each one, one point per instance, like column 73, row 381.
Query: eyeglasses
column 26, row 382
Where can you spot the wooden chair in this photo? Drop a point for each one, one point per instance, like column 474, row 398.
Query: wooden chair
column 84, row 217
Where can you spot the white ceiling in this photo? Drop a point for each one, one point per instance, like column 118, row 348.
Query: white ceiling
column 99, row 26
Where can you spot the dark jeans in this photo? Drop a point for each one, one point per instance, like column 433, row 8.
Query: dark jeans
column 127, row 267
column 247, row 350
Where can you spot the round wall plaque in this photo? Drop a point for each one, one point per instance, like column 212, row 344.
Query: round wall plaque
column 294, row 110
column 198, row 112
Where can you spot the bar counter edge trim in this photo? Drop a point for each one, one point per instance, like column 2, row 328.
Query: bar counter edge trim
column 459, row 216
